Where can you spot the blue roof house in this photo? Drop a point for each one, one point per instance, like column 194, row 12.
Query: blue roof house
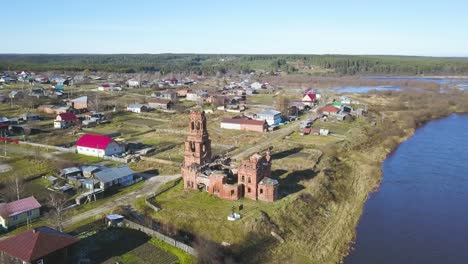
column 116, row 176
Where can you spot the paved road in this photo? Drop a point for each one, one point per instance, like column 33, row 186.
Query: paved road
column 151, row 184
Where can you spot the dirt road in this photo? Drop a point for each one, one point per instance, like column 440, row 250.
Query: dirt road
column 151, row 184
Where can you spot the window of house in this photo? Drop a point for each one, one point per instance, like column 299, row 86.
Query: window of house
column 15, row 217
column 249, row 180
column 248, row 190
column 29, row 213
column 243, row 178
column 198, row 126
column 232, row 192
column 41, row 261
column 261, row 191
column 192, row 125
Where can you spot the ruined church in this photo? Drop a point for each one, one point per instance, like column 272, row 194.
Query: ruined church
column 251, row 179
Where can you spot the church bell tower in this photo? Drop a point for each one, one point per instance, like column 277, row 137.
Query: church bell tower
column 198, row 143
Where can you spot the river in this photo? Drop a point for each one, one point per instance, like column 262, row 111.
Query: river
column 419, row 214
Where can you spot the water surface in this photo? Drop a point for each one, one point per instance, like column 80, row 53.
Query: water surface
column 420, row 212
column 366, row 89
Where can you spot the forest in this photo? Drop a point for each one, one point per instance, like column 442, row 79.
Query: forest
column 209, row 64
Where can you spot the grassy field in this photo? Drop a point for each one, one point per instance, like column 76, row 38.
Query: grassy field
column 313, row 140
column 128, row 246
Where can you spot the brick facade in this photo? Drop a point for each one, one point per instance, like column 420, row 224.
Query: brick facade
column 198, row 143
column 252, row 179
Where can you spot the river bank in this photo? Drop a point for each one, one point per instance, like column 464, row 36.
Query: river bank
column 366, row 184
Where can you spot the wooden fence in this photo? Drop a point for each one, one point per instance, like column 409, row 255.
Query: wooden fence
column 71, row 150
column 190, row 250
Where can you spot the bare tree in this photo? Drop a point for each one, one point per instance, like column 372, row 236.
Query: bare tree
column 57, row 202
column 282, row 104
column 94, row 103
column 16, row 187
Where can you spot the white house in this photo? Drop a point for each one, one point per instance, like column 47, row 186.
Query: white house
column 272, row 117
column 98, row 146
column 137, row 108
column 133, row 83
column 256, row 86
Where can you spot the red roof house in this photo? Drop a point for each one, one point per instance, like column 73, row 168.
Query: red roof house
column 38, row 245
column 309, row 97
column 329, row 109
column 97, row 145
column 18, row 212
column 65, row 120
column 67, row 116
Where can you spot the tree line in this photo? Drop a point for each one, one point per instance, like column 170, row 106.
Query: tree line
column 223, row 64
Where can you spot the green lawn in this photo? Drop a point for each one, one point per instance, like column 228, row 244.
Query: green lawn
column 312, row 139
column 206, row 215
column 126, row 246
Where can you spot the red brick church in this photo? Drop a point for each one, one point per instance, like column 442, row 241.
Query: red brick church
column 251, row 179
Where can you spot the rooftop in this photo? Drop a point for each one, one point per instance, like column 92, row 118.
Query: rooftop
column 110, row 174
column 82, row 99
column 244, row 121
column 268, row 181
column 269, row 112
column 20, row 206
column 94, row 141
column 36, row 243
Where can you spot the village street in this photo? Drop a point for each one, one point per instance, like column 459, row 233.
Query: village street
column 275, row 135
column 151, row 185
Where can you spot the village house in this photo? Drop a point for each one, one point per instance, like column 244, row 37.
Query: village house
column 40, row 245
column 29, row 117
column 199, row 173
column 65, row 120
column 328, row 110
column 98, row 146
column 133, row 83
column 244, row 123
column 183, row 92
column 115, row 176
column 309, row 97
column 54, row 110
column 137, row 108
column 169, row 95
column 79, row 103
column 19, row 212
column 92, row 118
column 159, row 103
column 256, row 85
column 216, row 100
column 196, row 96
column 272, row 117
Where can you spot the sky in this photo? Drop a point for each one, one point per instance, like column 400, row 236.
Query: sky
column 391, row 27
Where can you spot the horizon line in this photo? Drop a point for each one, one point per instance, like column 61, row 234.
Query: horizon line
column 246, row 54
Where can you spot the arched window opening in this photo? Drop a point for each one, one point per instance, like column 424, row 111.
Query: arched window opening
column 192, row 146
